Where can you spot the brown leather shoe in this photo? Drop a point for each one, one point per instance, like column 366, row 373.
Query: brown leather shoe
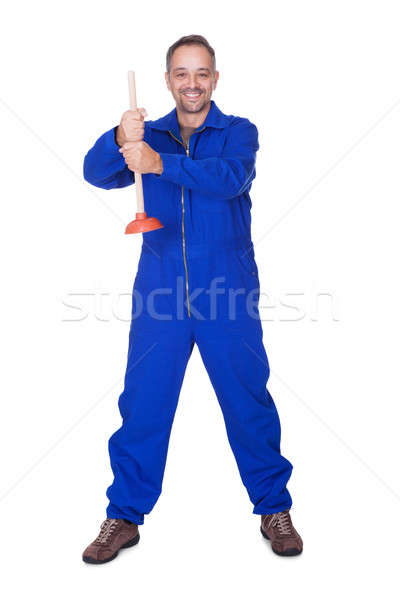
column 278, row 528
column 114, row 535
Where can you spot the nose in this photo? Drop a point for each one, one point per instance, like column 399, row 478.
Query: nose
column 192, row 83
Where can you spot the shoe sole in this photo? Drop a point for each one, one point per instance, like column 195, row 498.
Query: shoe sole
column 288, row 552
column 93, row 561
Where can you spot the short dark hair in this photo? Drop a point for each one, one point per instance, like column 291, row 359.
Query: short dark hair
column 190, row 40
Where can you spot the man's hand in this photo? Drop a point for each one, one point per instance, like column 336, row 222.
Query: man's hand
column 131, row 128
column 140, row 157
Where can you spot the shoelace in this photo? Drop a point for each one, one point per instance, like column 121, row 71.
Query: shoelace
column 106, row 529
column 282, row 521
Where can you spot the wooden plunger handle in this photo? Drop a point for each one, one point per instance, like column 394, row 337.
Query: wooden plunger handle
column 138, row 176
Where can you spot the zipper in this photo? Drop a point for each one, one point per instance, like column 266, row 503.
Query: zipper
column 183, row 224
column 183, row 231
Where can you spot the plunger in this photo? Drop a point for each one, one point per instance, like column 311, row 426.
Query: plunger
column 142, row 223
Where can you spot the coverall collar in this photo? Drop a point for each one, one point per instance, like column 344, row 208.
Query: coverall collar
column 215, row 118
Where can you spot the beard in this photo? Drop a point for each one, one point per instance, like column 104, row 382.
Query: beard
column 189, row 106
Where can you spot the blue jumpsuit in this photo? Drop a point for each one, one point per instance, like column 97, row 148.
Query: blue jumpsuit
column 197, row 282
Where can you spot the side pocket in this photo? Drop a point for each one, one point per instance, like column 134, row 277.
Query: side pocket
column 245, row 258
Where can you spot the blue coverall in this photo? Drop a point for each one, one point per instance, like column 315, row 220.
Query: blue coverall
column 182, row 295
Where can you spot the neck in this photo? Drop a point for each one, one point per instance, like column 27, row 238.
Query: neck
column 192, row 120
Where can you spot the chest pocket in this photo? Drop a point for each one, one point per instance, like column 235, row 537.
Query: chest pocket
column 207, row 144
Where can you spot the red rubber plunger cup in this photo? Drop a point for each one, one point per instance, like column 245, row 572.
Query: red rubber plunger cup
column 142, row 223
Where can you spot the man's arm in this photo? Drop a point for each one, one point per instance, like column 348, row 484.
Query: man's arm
column 224, row 177
column 104, row 166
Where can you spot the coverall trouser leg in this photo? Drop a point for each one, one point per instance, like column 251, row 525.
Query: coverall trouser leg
column 237, row 365
column 157, row 358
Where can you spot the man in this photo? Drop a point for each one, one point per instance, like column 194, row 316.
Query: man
column 197, row 282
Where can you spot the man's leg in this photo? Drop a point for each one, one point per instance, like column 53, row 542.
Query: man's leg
column 157, row 358
column 234, row 356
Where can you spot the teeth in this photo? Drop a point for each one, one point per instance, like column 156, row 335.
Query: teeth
column 192, row 95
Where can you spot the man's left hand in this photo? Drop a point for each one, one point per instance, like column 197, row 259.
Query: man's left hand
column 140, row 157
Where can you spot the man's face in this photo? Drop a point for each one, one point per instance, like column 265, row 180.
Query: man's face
column 191, row 79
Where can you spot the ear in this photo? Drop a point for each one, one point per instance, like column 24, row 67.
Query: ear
column 167, row 80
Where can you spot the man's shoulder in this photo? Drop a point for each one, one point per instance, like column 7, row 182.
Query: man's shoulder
column 241, row 122
column 230, row 121
column 241, row 131
column 242, row 128
column 237, row 123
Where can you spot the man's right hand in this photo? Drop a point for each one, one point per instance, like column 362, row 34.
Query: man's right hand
column 131, row 128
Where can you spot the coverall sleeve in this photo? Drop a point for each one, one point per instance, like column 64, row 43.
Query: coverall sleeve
column 104, row 166
column 224, row 177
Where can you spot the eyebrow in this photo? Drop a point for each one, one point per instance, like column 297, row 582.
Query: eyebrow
column 199, row 69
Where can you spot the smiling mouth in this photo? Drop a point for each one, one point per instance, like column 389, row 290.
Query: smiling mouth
column 192, row 96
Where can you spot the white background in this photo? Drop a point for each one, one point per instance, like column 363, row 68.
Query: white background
column 320, row 81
